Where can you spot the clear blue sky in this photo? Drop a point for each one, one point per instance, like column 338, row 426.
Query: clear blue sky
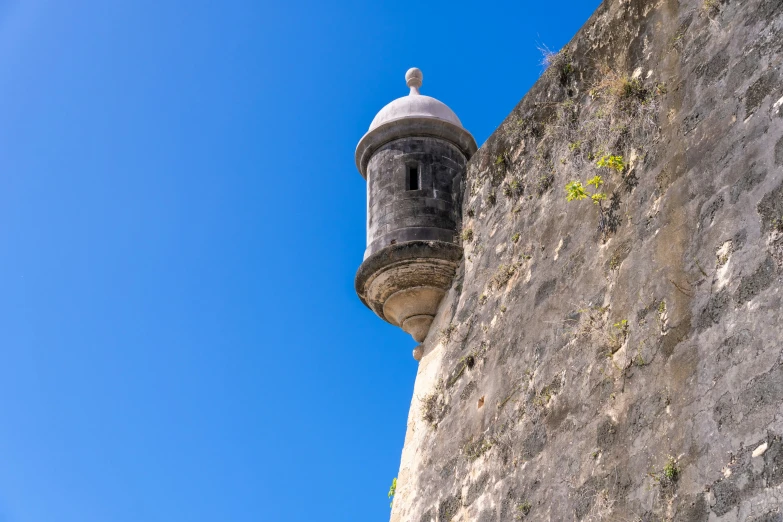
column 180, row 223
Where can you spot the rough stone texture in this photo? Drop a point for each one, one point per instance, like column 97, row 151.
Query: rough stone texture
column 395, row 213
column 623, row 361
column 405, row 282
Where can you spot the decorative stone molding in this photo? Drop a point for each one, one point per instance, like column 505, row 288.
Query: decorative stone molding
column 404, row 284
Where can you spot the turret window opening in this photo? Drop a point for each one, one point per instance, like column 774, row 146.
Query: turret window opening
column 413, row 177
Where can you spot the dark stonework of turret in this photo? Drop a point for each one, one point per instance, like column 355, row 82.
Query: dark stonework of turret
column 414, row 159
column 411, row 190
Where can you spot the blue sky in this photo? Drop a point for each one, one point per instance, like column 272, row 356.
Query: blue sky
column 180, row 223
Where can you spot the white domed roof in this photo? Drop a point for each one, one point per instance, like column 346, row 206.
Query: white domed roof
column 415, row 105
column 409, row 116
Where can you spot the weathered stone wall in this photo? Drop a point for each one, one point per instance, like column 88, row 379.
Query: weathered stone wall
column 620, row 360
column 398, row 214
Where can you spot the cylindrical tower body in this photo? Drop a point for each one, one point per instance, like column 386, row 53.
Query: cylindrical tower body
column 413, row 158
column 411, row 184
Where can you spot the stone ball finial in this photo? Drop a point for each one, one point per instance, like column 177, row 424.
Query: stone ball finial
column 414, row 78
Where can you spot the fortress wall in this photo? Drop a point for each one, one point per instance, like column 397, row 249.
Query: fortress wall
column 632, row 371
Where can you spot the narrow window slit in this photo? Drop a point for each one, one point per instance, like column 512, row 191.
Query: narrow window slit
column 413, row 178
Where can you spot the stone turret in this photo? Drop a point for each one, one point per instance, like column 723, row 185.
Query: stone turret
column 413, row 158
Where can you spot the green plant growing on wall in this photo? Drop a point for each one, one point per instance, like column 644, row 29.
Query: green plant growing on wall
column 433, row 405
column 668, row 475
column 522, row 510
column 614, row 262
column 575, row 191
column 512, row 189
column 639, row 360
column 392, row 491
column 558, row 65
column 543, row 398
column 661, row 316
column 670, row 470
column 611, row 161
column 467, row 235
column 515, row 237
column 620, row 334
column 626, row 111
column 660, row 90
column 622, row 326
column 503, row 275
column 632, row 88
column 617, row 86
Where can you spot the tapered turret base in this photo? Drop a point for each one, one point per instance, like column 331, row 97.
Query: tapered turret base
column 405, row 283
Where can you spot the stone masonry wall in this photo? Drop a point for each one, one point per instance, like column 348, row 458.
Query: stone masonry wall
column 619, row 359
column 395, row 213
